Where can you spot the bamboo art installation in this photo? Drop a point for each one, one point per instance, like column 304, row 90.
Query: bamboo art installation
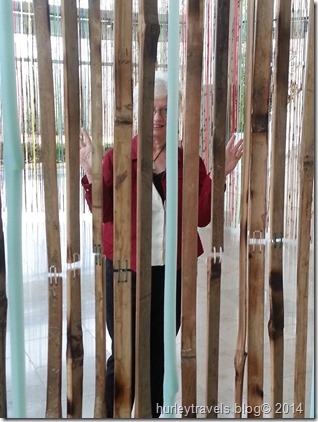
column 258, row 180
column 122, row 217
column 42, row 27
column 218, row 170
column 71, row 101
column 305, row 205
column 240, row 352
column 97, row 205
column 148, row 26
column 242, row 66
column 277, row 187
column 190, row 193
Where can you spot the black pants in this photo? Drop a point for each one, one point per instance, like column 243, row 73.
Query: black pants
column 156, row 335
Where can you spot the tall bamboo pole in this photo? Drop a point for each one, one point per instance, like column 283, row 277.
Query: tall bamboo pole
column 303, row 240
column 97, row 205
column 122, row 207
column 240, row 352
column 148, row 37
column 47, row 114
column 71, row 99
column 276, row 200
column 217, row 201
column 194, row 42
column 258, row 182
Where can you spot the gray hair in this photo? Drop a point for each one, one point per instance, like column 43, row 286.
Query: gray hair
column 161, row 88
column 161, row 84
column 160, row 91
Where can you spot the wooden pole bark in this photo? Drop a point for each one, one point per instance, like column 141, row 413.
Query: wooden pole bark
column 258, row 183
column 47, row 115
column 122, row 207
column 218, row 170
column 240, row 352
column 303, row 240
column 148, row 37
column 97, row 205
column 277, row 205
column 190, row 191
column 71, row 100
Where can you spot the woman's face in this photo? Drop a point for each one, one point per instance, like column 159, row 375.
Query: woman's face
column 160, row 119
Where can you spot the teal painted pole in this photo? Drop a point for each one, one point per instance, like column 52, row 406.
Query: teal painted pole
column 170, row 384
column 13, row 166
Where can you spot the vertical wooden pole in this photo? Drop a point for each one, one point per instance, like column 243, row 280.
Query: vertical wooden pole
column 276, row 201
column 148, row 35
column 240, row 352
column 54, row 368
column 218, row 170
column 190, row 191
column 305, row 205
column 46, row 92
column 71, row 101
column 122, row 207
column 231, row 75
column 74, row 356
column 97, row 205
column 258, row 183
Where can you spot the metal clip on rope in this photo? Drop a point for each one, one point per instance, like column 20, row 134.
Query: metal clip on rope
column 122, row 271
column 53, row 275
column 76, row 260
column 277, row 240
column 257, row 239
column 214, row 254
column 97, row 250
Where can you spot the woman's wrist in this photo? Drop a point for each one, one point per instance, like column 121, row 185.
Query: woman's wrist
column 89, row 178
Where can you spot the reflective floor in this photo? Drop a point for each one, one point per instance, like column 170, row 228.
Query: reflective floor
column 35, row 320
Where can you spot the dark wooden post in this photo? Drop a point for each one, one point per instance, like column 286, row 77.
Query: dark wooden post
column 148, row 37
column 258, row 183
column 303, row 239
column 190, row 191
column 71, row 100
column 97, row 205
column 217, row 201
column 277, row 203
column 122, row 207
column 48, row 140
column 240, row 352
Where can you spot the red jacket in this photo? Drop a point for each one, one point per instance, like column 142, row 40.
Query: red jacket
column 204, row 203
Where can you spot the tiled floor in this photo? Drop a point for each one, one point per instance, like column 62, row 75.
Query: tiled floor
column 35, row 312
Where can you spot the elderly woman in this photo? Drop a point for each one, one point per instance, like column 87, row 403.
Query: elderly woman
column 233, row 154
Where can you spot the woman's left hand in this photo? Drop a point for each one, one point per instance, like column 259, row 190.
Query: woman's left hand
column 233, row 154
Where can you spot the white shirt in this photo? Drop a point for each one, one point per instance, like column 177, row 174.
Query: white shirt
column 158, row 229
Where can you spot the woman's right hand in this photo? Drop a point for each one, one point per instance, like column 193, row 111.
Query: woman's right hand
column 86, row 154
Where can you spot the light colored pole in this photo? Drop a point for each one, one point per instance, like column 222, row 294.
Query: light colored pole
column 13, row 166
column 312, row 399
column 170, row 385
